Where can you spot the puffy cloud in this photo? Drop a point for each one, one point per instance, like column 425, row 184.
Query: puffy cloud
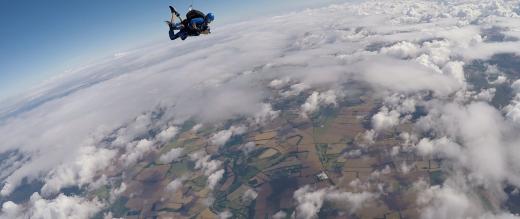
column 174, row 185
column 214, row 178
column 480, row 128
column 451, row 202
column 248, row 147
column 384, row 171
column 249, row 195
column 61, row 207
column 279, row 83
column 317, row 100
column 442, row 146
column 402, row 103
column 209, row 167
column 516, row 86
column 90, row 161
column 405, row 168
column 266, row 114
column 512, row 110
column 167, row 134
column 280, row 215
column 225, row 215
column 204, row 162
column 445, row 203
column 402, row 50
column 385, row 119
column 115, row 193
column 353, row 153
column 404, row 76
column 310, row 200
column 369, row 137
column 456, row 70
column 10, row 210
column 486, row 94
column 222, row 137
column 172, row 155
column 136, row 150
column 295, row 90
column 354, row 201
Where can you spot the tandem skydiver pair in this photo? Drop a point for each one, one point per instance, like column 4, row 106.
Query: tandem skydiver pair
column 195, row 24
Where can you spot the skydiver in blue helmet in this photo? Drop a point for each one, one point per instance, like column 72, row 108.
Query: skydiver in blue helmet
column 195, row 24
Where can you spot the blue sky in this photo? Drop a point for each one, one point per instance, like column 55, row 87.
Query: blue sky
column 43, row 38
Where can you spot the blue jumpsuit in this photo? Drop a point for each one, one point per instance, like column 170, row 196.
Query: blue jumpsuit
column 184, row 31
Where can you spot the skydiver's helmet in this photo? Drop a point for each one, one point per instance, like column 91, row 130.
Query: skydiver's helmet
column 210, row 17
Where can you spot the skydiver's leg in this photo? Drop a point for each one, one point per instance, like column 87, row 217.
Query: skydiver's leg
column 174, row 13
column 173, row 27
column 173, row 36
column 184, row 35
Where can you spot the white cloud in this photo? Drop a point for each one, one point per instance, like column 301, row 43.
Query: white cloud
column 486, row 94
column 451, row 202
column 10, row 210
column 379, row 173
column 513, row 109
column 115, row 193
column 295, row 90
column 174, row 185
column 136, row 150
column 280, row 215
column 405, row 168
column 249, row 195
column 516, row 86
column 120, row 97
column 445, row 203
column 402, row 50
column 214, row 178
column 209, row 167
column 167, row 134
column 279, row 83
column 248, row 147
column 404, row 76
column 455, row 69
column 317, row 100
column 204, row 162
column 266, row 114
column 222, row 137
column 480, row 128
column 369, row 137
column 61, row 207
column 385, row 119
column 309, row 200
column 90, row 161
column 172, row 155
column 225, row 215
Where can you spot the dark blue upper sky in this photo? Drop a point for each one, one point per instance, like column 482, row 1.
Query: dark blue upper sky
column 41, row 38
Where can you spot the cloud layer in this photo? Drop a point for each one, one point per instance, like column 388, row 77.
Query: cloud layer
column 113, row 112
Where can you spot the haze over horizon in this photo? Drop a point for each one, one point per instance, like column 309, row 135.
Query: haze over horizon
column 43, row 39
